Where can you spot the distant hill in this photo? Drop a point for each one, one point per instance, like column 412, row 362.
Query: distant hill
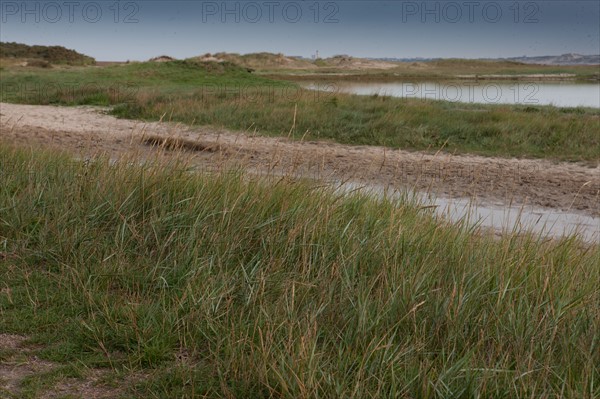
column 48, row 54
column 348, row 62
column 393, row 59
column 565, row 59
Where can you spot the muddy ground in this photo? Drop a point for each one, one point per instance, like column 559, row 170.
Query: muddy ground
column 89, row 130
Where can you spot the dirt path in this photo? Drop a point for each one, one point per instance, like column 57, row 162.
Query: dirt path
column 559, row 185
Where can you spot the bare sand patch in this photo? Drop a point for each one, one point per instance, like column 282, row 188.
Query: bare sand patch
column 89, row 130
column 19, row 362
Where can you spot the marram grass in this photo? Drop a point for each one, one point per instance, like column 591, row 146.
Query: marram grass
column 224, row 285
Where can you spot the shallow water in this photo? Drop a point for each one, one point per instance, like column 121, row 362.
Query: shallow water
column 560, row 94
column 543, row 221
column 546, row 222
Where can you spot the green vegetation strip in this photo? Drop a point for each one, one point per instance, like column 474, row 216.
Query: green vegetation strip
column 218, row 285
column 227, row 95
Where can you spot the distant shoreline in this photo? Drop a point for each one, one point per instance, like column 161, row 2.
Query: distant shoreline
column 418, row 78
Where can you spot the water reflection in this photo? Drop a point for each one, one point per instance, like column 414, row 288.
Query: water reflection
column 546, row 222
column 560, row 94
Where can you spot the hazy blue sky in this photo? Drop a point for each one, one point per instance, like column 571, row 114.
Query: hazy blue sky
column 138, row 30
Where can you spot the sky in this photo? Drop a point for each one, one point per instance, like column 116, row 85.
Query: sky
column 138, row 30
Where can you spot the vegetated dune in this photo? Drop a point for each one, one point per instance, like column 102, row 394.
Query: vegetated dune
column 162, row 58
column 43, row 56
column 348, row 62
column 260, row 60
column 271, row 61
column 156, row 282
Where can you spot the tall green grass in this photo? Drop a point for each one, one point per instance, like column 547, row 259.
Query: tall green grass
column 224, row 285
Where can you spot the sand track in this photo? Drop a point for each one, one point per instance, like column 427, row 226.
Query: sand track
column 88, row 130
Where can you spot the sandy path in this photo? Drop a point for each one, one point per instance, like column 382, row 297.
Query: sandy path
column 543, row 183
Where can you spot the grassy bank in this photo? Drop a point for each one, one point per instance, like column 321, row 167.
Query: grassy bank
column 519, row 131
column 123, row 83
column 229, row 96
column 223, row 286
